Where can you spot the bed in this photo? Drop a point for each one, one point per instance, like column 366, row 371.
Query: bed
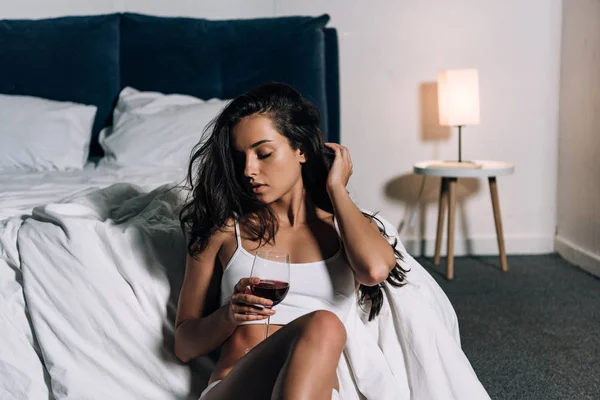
column 91, row 60
column 106, row 109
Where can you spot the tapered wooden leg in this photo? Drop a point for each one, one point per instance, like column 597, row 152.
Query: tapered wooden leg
column 451, row 209
column 498, row 220
column 441, row 218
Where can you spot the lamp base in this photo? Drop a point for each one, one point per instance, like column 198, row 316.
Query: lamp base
column 455, row 164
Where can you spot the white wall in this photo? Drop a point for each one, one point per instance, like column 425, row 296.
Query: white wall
column 578, row 235
column 192, row 8
column 390, row 53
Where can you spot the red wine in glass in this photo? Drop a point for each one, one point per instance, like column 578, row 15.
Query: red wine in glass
column 272, row 267
column 271, row 289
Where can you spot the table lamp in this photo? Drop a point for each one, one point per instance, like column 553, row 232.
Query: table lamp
column 458, row 104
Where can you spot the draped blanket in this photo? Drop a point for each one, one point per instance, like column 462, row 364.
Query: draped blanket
column 101, row 273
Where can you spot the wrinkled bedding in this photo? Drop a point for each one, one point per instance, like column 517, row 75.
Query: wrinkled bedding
column 100, row 272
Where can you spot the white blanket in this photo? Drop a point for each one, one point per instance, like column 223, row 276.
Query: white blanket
column 101, row 276
column 22, row 374
column 411, row 350
column 21, row 191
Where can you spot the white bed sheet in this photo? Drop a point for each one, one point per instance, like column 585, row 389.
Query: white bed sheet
column 22, row 373
column 20, row 192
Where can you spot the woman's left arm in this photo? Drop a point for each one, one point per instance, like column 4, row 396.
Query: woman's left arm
column 371, row 257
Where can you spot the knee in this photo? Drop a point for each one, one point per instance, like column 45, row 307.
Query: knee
column 327, row 328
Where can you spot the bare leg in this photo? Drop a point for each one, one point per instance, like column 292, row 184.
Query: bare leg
column 297, row 362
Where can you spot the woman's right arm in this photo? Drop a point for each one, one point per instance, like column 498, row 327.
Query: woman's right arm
column 197, row 335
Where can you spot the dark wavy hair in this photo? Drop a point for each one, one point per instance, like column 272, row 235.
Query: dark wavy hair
column 218, row 189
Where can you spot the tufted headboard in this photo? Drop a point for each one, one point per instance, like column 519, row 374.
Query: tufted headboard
column 89, row 59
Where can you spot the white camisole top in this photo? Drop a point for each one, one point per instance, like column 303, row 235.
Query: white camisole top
column 321, row 285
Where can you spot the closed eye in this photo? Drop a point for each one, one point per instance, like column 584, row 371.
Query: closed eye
column 263, row 156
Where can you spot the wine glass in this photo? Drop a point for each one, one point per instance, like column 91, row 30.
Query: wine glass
column 272, row 267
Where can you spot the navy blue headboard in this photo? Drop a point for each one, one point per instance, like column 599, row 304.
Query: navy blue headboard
column 90, row 59
column 67, row 59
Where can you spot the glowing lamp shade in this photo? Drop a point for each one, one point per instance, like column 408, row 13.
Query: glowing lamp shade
column 458, row 97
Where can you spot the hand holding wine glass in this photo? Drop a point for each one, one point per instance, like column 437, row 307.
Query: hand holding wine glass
column 273, row 270
column 244, row 306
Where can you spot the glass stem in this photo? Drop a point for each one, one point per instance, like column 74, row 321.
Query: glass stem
column 267, row 327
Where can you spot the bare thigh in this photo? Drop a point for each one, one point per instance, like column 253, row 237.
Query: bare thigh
column 255, row 375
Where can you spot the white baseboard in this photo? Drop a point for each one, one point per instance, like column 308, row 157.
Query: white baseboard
column 482, row 245
column 578, row 256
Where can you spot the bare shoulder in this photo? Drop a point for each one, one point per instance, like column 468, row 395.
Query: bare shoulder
column 215, row 242
column 228, row 228
column 227, row 241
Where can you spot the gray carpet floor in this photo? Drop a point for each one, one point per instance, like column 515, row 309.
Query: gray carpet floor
column 532, row 332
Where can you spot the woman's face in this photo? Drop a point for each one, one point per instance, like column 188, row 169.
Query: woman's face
column 270, row 166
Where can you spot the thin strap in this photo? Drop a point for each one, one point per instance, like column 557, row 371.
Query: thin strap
column 339, row 233
column 237, row 233
column 336, row 226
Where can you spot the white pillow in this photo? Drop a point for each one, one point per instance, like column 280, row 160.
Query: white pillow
column 40, row 134
column 154, row 129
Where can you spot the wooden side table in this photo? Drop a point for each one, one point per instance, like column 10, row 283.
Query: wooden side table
column 450, row 172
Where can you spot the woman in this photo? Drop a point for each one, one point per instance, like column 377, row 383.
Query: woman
column 261, row 180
